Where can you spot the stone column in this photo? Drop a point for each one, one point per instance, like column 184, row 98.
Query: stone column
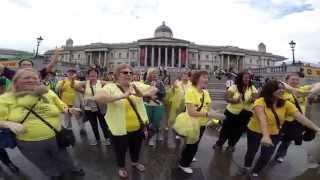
column 152, row 57
column 166, row 57
column 172, row 57
column 99, row 59
column 159, row 56
column 129, row 60
column 91, row 59
column 105, row 59
column 237, row 63
column 197, row 60
column 139, row 65
column 243, row 62
column 187, row 57
column 179, row 66
column 228, row 62
column 221, row 62
column 145, row 56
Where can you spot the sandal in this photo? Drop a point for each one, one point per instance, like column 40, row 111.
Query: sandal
column 140, row 167
column 123, row 173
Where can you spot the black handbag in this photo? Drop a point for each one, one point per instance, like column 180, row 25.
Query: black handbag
column 64, row 137
column 7, row 139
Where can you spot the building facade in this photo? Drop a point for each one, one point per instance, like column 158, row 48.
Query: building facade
column 163, row 50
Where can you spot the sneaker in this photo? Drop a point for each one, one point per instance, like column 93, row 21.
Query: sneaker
column 194, row 160
column 177, row 137
column 152, row 141
column 13, row 168
column 279, row 160
column 254, row 175
column 187, row 170
column 230, row 149
column 107, row 142
column 243, row 171
column 94, row 143
column 160, row 136
column 217, row 147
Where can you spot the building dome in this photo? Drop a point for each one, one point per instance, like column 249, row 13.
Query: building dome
column 262, row 47
column 69, row 43
column 163, row 31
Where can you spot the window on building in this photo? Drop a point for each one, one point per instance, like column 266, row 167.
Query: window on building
column 268, row 63
column 119, row 55
column 207, row 67
column 111, row 54
column 250, row 61
column 127, row 55
column 207, row 56
column 193, row 55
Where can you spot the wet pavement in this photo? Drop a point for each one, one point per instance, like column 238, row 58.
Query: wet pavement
column 161, row 162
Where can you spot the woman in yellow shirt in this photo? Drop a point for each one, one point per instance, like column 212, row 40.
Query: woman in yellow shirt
column 270, row 112
column 67, row 92
column 240, row 97
column 198, row 106
column 35, row 139
column 126, row 115
column 300, row 101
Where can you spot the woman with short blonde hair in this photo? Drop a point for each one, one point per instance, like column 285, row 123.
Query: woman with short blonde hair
column 35, row 139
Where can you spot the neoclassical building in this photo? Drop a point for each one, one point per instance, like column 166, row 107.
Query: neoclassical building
column 166, row 51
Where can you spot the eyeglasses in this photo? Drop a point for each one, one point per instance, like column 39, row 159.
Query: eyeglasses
column 126, row 72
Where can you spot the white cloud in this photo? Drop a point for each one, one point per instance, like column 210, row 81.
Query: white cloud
column 213, row 22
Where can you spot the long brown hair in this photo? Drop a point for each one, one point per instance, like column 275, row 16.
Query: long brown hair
column 267, row 93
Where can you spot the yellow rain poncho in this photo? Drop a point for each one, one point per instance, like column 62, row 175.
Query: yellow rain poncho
column 188, row 127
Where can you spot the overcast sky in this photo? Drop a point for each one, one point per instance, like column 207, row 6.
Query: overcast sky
column 242, row 23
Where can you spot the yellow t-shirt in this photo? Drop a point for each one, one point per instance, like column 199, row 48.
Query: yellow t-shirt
column 183, row 87
column 246, row 104
column 132, row 121
column 302, row 100
column 193, row 96
column 12, row 109
column 288, row 109
column 116, row 111
column 68, row 93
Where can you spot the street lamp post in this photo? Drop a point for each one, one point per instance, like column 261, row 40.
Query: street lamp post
column 39, row 39
column 292, row 45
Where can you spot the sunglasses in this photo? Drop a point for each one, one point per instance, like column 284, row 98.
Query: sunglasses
column 126, row 72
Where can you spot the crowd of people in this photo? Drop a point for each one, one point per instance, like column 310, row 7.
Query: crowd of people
column 37, row 110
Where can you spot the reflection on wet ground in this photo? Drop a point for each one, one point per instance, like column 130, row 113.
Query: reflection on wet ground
column 161, row 162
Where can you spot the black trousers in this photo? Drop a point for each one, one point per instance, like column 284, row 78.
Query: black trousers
column 93, row 118
column 253, row 147
column 190, row 150
column 131, row 141
column 283, row 148
column 232, row 129
column 4, row 157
